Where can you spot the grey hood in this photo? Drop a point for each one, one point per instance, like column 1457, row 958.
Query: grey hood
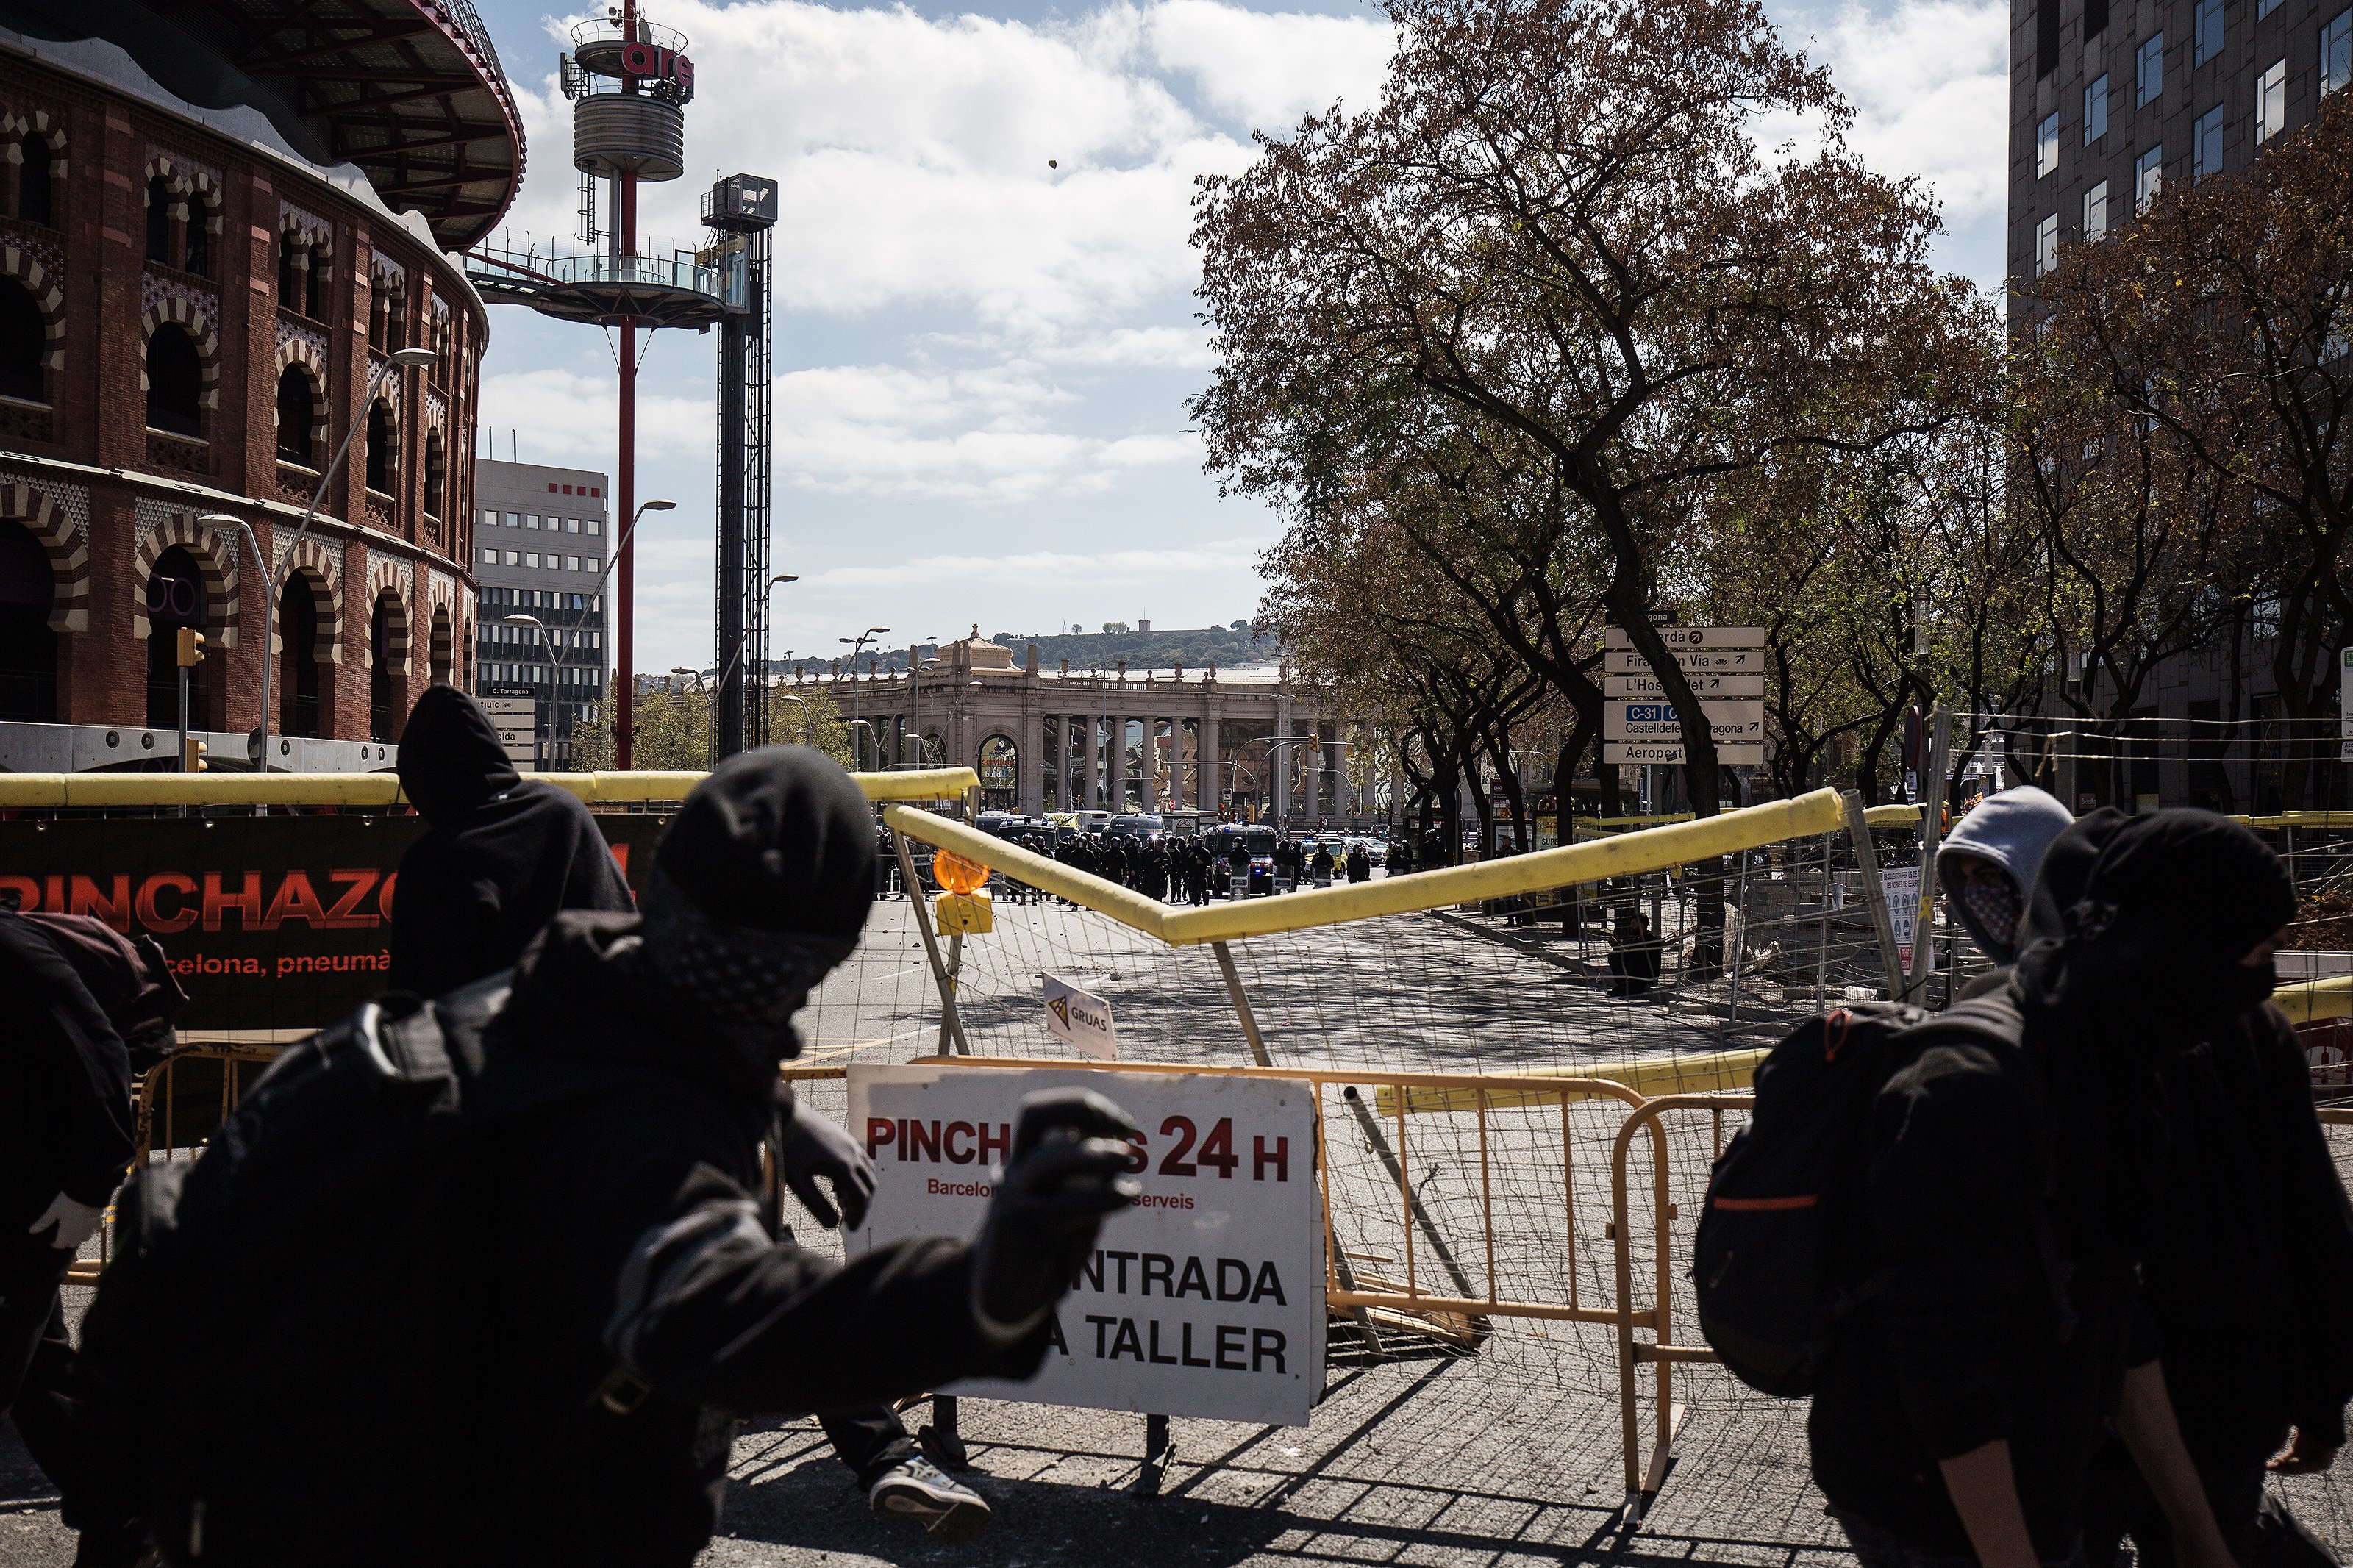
column 2011, row 829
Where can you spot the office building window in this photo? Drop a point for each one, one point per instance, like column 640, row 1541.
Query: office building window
column 2336, row 52
column 2046, row 147
column 531, row 558
column 2096, row 212
column 2207, row 42
column 514, row 519
column 2096, row 111
column 571, row 525
column 489, row 520
column 2046, row 245
column 572, row 563
column 2046, row 37
column 2095, row 18
column 514, row 558
column 2271, row 102
column 2264, row 8
column 2149, row 177
column 2206, row 145
column 2148, row 70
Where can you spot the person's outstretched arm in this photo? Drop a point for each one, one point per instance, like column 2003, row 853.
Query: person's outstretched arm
column 1984, row 1491
column 2145, row 1421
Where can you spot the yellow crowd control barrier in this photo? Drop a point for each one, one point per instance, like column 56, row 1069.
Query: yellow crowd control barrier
column 2312, row 1001
column 1626, row 855
column 55, row 791
column 1699, row 1072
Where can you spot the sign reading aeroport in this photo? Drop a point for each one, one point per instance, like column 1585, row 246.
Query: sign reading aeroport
column 271, row 922
column 1205, row 1298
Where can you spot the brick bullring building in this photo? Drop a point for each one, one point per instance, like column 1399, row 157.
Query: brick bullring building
column 217, row 218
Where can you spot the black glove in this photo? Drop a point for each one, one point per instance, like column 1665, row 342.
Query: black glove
column 813, row 1146
column 1068, row 1169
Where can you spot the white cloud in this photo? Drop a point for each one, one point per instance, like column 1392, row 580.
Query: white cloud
column 1087, row 571
column 563, row 415
column 1264, row 70
column 1929, row 81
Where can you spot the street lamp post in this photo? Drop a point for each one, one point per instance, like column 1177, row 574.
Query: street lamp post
column 624, row 681
column 759, row 678
column 857, row 647
column 554, row 669
column 258, row 746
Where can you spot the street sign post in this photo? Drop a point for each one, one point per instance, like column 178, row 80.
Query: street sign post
column 515, row 715
column 1692, row 636
column 1705, row 687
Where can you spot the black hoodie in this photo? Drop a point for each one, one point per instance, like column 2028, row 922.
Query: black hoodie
column 501, row 857
column 611, row 1211
column 65, row 1116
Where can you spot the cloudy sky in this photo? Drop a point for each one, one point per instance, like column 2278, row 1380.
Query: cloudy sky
column 986, row 333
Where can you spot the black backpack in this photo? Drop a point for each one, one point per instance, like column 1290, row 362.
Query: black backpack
column 261, row 1351
column 1778, row 1262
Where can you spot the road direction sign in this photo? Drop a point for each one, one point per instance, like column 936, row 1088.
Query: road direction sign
column 1692, row 636
column 1704, row 686
column 1740, row 718
column 516, row 719
column 1717, row 660
column 1669, row 753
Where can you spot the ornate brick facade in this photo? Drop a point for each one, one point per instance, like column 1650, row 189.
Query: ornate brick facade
column 146, row 223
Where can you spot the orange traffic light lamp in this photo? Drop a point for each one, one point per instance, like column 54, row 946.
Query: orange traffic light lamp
column 191, row 648
column 193, row 754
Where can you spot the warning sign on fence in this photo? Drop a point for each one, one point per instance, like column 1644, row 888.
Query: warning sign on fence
column 1900, row 885
column 1206, row 1298
column 1080, row 1018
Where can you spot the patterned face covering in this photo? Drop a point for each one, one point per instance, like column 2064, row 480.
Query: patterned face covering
column 1995, row 904
column 746, row 981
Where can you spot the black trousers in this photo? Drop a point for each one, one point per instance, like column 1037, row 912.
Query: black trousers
column 870, row 1440
column 38, row 1389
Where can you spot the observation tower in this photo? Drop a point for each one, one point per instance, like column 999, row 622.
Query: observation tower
column 629, row 81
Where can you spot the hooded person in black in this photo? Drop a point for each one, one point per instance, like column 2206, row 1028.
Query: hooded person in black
column 625, row 1290
column 2010, row 1193
column 2249, row 1257
column 501, row 857
column 86, row 1006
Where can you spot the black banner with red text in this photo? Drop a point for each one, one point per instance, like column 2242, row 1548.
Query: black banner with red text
column 272, row 923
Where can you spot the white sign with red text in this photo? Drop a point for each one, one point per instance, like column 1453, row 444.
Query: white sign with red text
column 1205, row 1298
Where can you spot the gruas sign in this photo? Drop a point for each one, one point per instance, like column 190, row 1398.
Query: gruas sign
column 271, row 922
column 1203, row 1297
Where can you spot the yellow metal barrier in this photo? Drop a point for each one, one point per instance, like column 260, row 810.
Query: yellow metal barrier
column 1700, row 1072
column 54, row 791
column 1626, row 855
column 1660, row 1351
column 2311, row 1001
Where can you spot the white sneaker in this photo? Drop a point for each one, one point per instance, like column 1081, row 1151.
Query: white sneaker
column 920, row 1492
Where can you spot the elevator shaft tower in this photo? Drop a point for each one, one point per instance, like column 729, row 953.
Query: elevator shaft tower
column 740, row 212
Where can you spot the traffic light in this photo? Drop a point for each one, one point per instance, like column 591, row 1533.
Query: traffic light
column 191, row 648
column 192, row 757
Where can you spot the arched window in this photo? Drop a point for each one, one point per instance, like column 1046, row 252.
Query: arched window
column 291, row 257
column 176, row 380
column 384, row 682
column 999, row 772
column 23, row 336
column 444, row 646
column 298, row 659
column 433, row 473
column 28, row 649
column 320, row 273
column 33, row 174
column 298, row 411
column 198, row 258
column 175, row 599
column 380, row 466
column 159, row 220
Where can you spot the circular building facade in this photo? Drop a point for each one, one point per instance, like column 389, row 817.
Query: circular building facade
column 214, row 231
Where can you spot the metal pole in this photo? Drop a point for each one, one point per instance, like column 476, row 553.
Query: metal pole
column 950, row 1026
column 1874, row 894
column 1932, row 831
column 1242, row 1004
column 1823, row 949
column 184, row 718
